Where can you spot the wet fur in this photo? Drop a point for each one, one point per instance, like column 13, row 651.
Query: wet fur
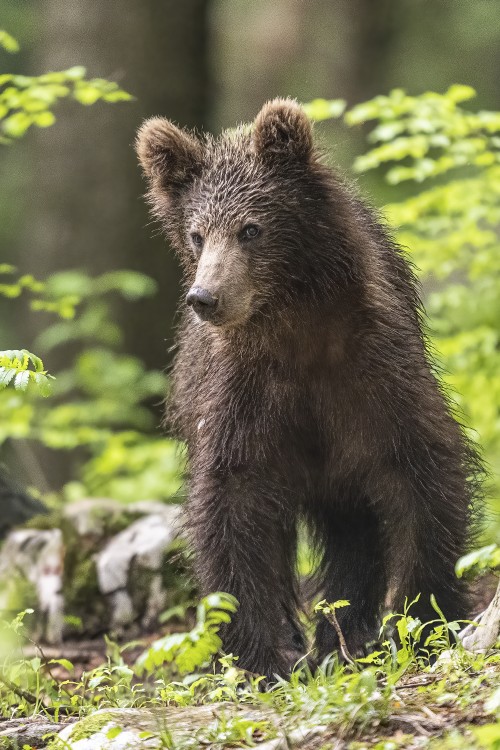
column 321, row 406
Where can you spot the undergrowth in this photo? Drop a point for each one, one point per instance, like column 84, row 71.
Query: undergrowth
column 393, row 698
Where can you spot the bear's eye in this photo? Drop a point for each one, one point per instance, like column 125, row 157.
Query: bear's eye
column 249, row 232
column 197, row 240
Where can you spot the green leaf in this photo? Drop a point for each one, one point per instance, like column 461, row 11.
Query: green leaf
column 14, row 368
column 436, row 607
column 323, row 109
column 460, row 93
column 191, row 650
column 16, row 125
column 76, row 73
column 478, row 561
column 8, row 42
column 68, row 666
column 44, row 119
column 6, row 376
column 43, row 383
column 86, row 94
column 22, row 380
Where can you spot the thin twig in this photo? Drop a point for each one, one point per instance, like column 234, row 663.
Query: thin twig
column 47, row 667
column 332, row 619
column 29, row 697
column 416, row 684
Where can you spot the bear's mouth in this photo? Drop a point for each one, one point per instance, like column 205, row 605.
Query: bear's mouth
column 222, row 319
column 232, row 312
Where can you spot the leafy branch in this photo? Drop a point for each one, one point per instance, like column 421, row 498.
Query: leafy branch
column 29, row 100
column 15, row 369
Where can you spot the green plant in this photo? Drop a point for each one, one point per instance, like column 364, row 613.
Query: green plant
column 15, row 369
column 329, row 610
column 418, row 643
column 186, row 652
column 479, row 561
column 30, row 100
column 362, row 703
column 100, row 398
column 102, row 392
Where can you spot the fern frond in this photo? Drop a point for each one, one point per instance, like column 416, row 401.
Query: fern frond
column 20, row 367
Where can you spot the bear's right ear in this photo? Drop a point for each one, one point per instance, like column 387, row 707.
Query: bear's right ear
column 282, row 129
column 168, row 155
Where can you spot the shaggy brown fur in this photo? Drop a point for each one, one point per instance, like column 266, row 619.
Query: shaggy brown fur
column 304, row 391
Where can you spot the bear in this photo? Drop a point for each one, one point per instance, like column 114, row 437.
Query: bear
column 304, row 390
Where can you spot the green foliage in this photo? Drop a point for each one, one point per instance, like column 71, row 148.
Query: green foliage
column 186, row 652
column 323, row 109
column 416, row 643
column 369, row 699
column 41, row 297
column 479, row 561
column 131, row 465
column 100, row 398
column 327, row 608
column 7, row 42
column 102, row 392
column 15, row 370
column 432, row 131
column 67, row 290
column 450, row 226
column 30, row 100
column 15, row 363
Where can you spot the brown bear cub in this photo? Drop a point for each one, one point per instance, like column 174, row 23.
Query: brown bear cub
column 303, row 389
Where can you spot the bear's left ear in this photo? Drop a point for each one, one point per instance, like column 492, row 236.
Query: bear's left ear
column 282, row 128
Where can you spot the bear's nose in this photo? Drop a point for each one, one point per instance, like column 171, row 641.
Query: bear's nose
column 202, row 302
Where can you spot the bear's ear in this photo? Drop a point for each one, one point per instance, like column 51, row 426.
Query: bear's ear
column 282, row 128
column 168, row 155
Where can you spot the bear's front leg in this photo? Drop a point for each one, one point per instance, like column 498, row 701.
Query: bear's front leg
column 244, row 536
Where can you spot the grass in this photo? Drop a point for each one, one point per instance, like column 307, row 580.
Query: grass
column 448, row 698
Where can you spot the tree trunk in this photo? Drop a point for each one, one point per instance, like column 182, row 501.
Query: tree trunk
column 83, row 188
column 85, row 208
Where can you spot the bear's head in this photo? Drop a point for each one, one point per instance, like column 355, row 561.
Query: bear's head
column 238, row 209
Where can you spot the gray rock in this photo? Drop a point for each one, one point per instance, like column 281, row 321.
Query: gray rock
column 487, row 634
column 142, row 546
column 92, row 516
column 111, row 566
column 37, row 557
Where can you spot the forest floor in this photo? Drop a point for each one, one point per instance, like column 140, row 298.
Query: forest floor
column 387, row 701
column 452, row 705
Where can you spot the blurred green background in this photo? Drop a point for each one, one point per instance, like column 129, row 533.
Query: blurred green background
column 71, row 201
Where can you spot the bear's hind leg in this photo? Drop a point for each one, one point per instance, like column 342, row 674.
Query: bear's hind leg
column 427, row 510
column 425, row 546
column 353, row 568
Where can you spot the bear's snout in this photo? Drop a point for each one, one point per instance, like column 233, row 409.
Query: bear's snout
column 202, row 301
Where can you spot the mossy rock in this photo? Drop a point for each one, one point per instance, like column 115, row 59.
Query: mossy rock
column 159, row 727
column 119, row 567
